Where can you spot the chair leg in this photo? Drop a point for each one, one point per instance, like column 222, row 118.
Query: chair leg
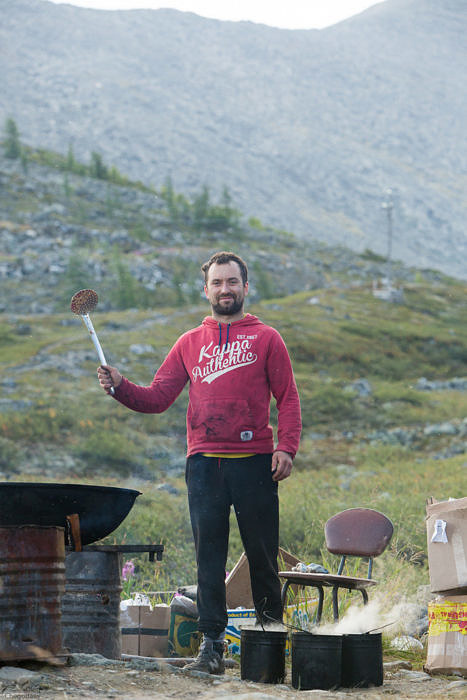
column 335, row 603
column 319, row 611
column 284, row 594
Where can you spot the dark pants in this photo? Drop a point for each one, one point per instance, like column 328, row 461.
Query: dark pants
column 214, row 484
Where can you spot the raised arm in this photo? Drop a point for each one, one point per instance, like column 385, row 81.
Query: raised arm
column 167, row 384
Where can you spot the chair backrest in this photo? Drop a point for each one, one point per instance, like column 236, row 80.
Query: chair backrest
column 360, row 532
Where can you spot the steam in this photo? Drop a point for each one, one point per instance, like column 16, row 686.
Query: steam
column 360, row 619
column 257, row 627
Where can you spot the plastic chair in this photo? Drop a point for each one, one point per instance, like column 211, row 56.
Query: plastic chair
column 359, row 532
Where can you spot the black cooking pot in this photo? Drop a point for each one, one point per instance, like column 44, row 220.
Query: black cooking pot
column 101, row 509
column 362, row 660
column 262, row 655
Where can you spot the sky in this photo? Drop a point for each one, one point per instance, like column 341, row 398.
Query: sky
column 287, row 14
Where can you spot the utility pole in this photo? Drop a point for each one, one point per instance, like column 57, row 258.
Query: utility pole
column 388, row 204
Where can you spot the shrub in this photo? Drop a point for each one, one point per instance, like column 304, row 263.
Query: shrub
column 10, row 454
column 40, row 424
column 108, row 451
column 11, row 144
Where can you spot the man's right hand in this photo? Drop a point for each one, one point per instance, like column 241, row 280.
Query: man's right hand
column 108, row 377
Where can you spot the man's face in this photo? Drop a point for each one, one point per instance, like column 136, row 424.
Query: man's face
column 225, row 289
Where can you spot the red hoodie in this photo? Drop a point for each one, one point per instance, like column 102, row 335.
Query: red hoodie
column 233, row 370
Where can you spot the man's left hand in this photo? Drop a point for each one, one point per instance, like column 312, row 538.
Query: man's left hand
column 281, row 465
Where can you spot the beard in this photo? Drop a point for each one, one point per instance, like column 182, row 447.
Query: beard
column 233, row 308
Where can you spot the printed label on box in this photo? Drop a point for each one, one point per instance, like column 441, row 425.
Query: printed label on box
column 447, row 635
column 299, row 615
column 184, row 638
column 447, row 617
column 234, row 627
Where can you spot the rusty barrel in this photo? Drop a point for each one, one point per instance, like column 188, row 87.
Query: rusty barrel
column 32, row 582
column 91, row 604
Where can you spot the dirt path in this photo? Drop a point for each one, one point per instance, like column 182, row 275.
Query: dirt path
column 102, row 678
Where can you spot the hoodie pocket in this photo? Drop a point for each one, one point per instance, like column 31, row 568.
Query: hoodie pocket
column 223, row 420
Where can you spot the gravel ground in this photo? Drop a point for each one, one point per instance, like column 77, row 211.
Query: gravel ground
column 91, row 676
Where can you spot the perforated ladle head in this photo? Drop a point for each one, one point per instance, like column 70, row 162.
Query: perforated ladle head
column 84, row 301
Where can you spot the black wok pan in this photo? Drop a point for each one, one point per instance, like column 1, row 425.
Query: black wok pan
column 101, row 509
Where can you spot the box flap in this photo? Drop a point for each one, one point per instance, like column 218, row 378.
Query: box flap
column 438, row 507
column 237, row 585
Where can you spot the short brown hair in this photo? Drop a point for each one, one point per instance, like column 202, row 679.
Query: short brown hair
column 223, row 258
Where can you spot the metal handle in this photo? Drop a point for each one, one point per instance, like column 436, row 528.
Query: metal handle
column 88, row 323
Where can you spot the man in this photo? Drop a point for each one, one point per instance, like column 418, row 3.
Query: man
column 234, row 363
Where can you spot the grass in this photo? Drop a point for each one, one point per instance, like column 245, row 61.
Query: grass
column 67, row 430
column 105, row 439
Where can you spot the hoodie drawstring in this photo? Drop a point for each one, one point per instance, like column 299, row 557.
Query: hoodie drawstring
column 220, row 336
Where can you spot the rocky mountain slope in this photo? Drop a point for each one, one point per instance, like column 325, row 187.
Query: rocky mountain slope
column 306, row 128
column 60, row 232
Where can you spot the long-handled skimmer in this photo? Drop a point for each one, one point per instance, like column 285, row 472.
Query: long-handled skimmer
column 82, row 303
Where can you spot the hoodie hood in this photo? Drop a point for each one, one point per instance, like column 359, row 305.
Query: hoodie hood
column 218, row 326
column 247, row 320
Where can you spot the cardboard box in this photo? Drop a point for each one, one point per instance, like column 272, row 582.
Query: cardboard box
column 233, row 631
column 447, row 635
column 447, row 557
column 298, row 615
column 302, row 613
column 145, row 630
column 238, row 586
column 184, row 638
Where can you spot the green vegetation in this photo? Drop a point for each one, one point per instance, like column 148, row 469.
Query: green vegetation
column 112, row 445
column 197, row 214
column 96, row 168
column 358, row 449
column 12, row 143
column 200, row 214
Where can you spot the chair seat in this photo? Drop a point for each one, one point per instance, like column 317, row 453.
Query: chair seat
column 350, row 582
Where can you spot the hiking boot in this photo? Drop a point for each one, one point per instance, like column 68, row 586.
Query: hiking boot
column 209, row 659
